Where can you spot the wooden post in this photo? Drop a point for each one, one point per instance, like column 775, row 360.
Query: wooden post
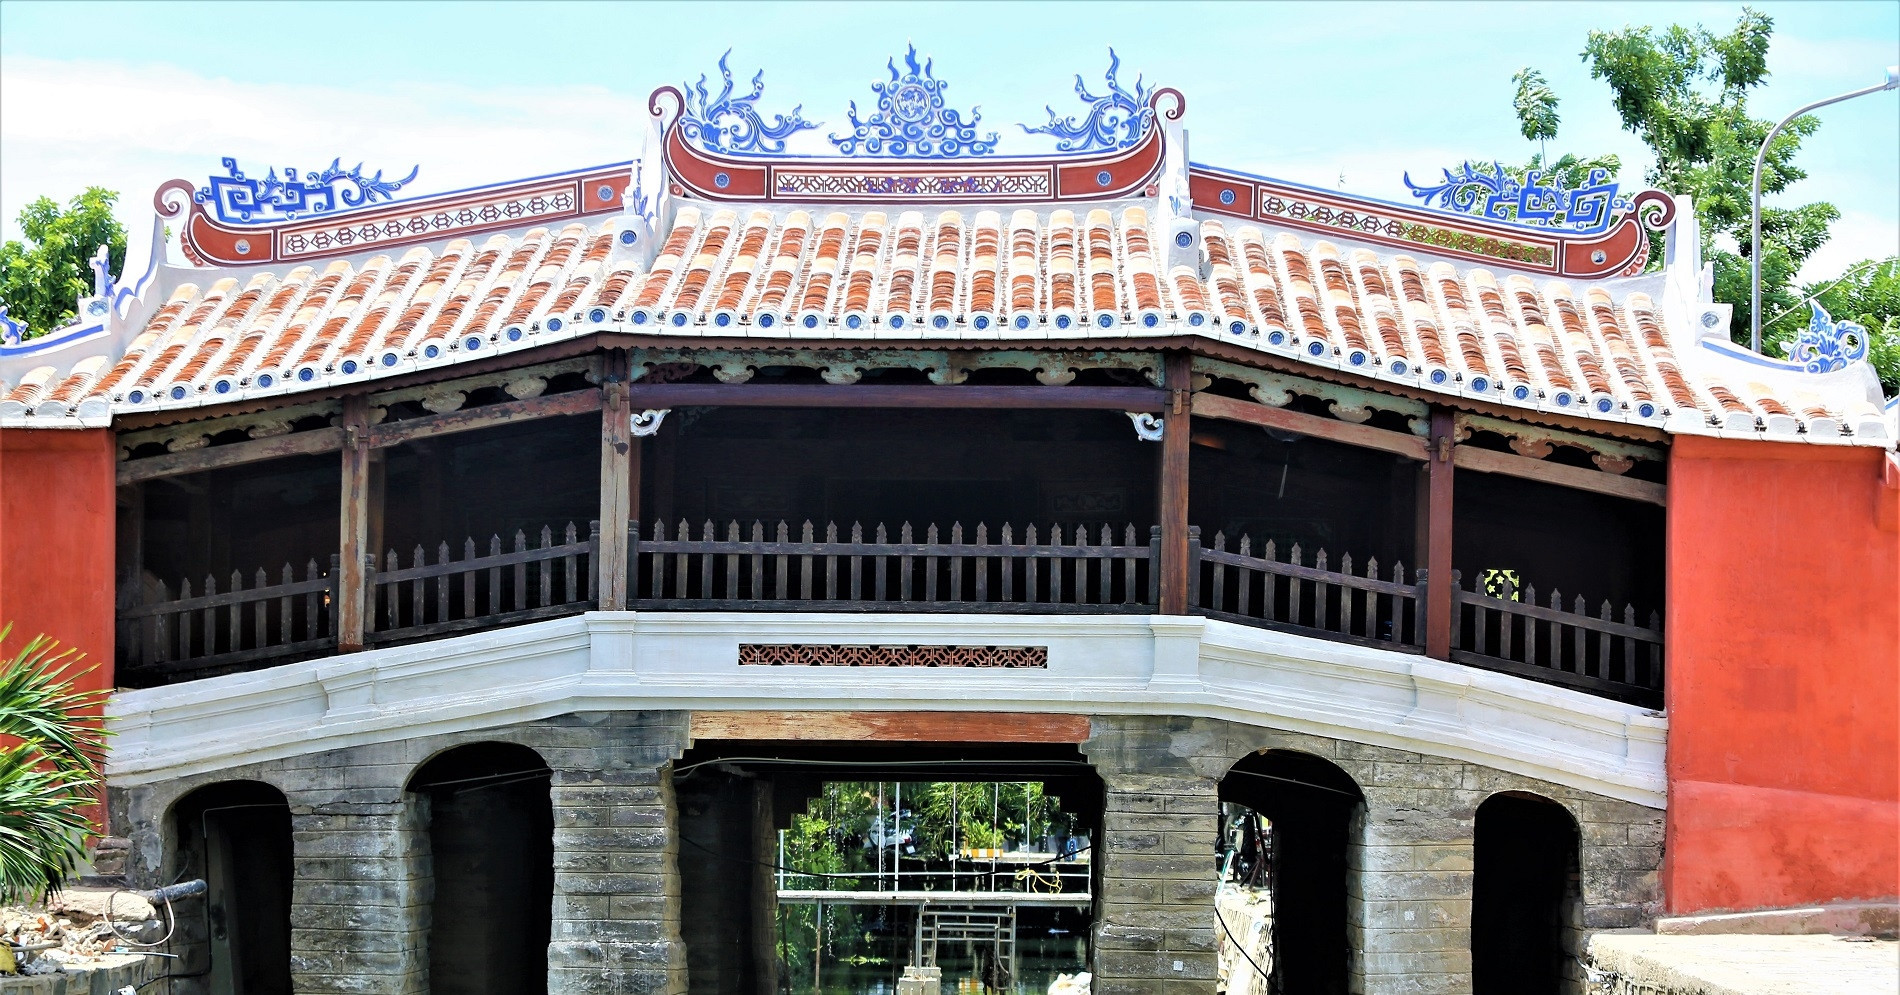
column 618, row 454
column 352, row 596
column 1434, row 539
column 1172, row 506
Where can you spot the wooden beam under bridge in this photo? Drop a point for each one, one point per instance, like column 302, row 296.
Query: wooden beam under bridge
column 756, row 395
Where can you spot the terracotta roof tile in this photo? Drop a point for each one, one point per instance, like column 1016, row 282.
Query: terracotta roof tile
column 1589, row 350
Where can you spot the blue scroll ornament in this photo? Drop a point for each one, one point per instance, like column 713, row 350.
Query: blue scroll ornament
column 911, row 120
column 1115, row 119
column 238, row 199
column 726, row 123
column 1539, row 201
column 1827, row 345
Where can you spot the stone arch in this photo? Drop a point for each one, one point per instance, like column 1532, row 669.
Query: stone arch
column 1295, row 818
column 235, row 835
column 490, row 840
column 1527, row 905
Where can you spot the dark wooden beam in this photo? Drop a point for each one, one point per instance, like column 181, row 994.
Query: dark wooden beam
column 322, row 440
column 1316, row 426
column 577, row 402
column 1579, row 478
column 1435, row 544
column 618, row 451
column 757, row 395
column 1172, row 505
column 352, row 598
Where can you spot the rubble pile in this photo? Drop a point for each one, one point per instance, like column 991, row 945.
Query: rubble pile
column 72, row 929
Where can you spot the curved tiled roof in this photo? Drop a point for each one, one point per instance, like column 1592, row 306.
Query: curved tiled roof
column 1594, row 350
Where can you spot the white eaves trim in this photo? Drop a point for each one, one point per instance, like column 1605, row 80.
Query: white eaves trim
column 1130, row 665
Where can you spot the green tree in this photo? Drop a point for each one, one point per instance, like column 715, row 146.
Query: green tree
column 49, row 777
column 1536, row 108
column 1684, row 92
column 41, row 277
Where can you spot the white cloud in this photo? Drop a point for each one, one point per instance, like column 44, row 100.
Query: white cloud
column 1856, row 236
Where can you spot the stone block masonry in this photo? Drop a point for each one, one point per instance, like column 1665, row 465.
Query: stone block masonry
column 362, row 880
column 1410, row 857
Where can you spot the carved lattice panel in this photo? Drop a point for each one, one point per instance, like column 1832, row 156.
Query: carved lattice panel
column 817, row 655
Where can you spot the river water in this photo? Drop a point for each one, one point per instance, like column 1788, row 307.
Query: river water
column 1039, row 959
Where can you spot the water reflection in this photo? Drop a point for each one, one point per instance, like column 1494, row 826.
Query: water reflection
column 1039, row 960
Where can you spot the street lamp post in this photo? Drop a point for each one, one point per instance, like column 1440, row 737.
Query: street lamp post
column 1754, row 254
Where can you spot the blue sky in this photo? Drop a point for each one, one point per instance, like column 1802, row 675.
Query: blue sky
column 128, row 96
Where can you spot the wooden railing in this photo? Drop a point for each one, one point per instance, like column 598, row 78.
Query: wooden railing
column 1289, row 594
column 1601, row 654
column 1057, row 569
column 481, row 591
column 186, row 633
column 755, row 568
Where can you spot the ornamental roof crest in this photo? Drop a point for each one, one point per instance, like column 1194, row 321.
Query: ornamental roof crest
column 911, row 120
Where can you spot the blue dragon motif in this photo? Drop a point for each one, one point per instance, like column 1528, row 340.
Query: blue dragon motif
column 11, row 332
column 1540, row 200
column 911, row 120
column 726, row 123
column 1115, row 120
column 1827, row 345
column 237, row 199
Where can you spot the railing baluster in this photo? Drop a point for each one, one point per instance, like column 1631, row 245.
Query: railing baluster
column 442, row 581
column 1505, row 618
column 1456, row 608
column 1627, row 670
column 732, row 560
column 880, row 564
column 1218, row 590
column 1345, row 595
column 758, row 561
column 326, row 599
column 1583, row 657
column 906, row 565
column 1105, row 575
column 543, row 569
column 683, row 566
column 831, row 562
column 1293, row 585
column 784, row 565
column 570, row 564
column 284, row 612
column 184, row 621
column 1370, row 627
column 930, row 564
column 1032, row 564
column 418, row 589
column 982, row 564
column 1530, row 626
column 494, row 575
column 1604, row 642
column 804, row 564
column 708, row 534
column 956, row 562
column 1055, row 565
column 1008, row 564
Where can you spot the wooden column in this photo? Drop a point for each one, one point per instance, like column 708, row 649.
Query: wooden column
column 352, row 596
column 1172, row 506
column 1434, row 536
column 619, row 455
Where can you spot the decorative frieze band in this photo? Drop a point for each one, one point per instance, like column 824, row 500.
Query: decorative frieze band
column 827, row 655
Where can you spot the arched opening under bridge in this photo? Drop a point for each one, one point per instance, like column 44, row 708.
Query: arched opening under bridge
column 491, row 843
column 1288, row 829
column 1525, row 905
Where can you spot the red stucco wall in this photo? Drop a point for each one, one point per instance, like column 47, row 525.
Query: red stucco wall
column 1783, row 675
column 57, row 497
